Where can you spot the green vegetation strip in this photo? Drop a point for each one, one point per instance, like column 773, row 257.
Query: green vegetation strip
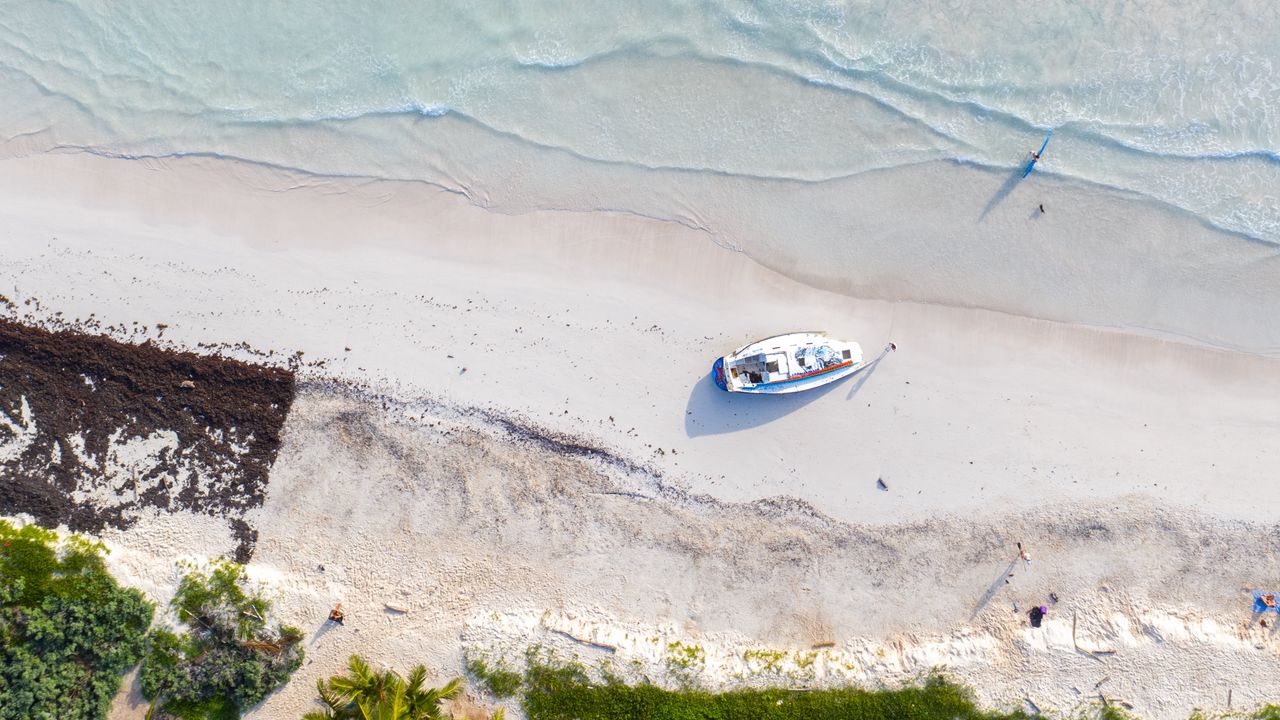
column 567, row 693
column 552, row 690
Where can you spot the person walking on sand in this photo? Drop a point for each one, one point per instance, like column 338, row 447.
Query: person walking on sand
column 335, row 615
column 1026, row 560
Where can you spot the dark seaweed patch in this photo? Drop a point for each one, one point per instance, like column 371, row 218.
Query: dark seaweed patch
column 85, row 394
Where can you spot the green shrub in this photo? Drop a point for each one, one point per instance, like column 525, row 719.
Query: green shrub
column 228, row 659
column 68, row 631
column 1268, row 712
column 503, row 683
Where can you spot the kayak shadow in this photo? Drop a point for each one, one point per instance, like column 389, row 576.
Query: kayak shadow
column 996, row 586
column 712, row 411
column 865, row 374
column 1002, row 193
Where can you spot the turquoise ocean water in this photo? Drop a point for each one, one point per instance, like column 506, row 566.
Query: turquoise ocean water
column 688, row 111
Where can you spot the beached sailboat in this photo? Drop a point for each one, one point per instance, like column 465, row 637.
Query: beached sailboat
column 788, row 363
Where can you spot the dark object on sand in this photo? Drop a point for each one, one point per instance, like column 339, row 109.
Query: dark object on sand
column 1053, row 598
column 1037, row 615
column 880, row 484
column 1042, row 207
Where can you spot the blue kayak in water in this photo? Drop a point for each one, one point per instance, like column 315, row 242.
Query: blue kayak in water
column 1037, row 156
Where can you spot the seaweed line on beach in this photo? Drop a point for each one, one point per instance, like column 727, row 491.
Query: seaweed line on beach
column 530, row 434
column 95, row 431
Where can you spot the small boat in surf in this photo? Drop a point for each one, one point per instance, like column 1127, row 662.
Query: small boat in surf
column 788, row 363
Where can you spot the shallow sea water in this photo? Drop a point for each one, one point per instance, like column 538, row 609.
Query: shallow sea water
column 761, row 122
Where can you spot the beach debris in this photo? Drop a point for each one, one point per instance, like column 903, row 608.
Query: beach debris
column 623, row 493
column 1037, row 614
column 821, row 644
column 588, row 643
column 393, row 607
column 187, row 385
column 880, row 483
column 1035, row 709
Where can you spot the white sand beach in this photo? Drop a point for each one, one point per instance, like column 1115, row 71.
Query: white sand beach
column 454, row 359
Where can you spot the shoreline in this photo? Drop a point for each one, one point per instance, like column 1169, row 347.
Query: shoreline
column 530, row 305
column 1101, row 258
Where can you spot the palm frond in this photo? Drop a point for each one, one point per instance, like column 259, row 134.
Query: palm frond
column 451, row 690
column 416, row 680
column 332, row 700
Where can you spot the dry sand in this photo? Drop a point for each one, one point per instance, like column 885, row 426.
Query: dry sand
column 453, row 348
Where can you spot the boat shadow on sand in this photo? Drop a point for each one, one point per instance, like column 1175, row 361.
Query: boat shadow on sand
column 712, row 411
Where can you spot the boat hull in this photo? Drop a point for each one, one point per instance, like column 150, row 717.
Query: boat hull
column 786, row 364
column 717, row 374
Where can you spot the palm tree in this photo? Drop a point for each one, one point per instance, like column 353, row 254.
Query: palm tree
column 424, row 702
column 368, row 694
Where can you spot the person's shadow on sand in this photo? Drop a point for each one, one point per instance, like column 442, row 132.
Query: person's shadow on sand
column 324, row 629
column 712, row 411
